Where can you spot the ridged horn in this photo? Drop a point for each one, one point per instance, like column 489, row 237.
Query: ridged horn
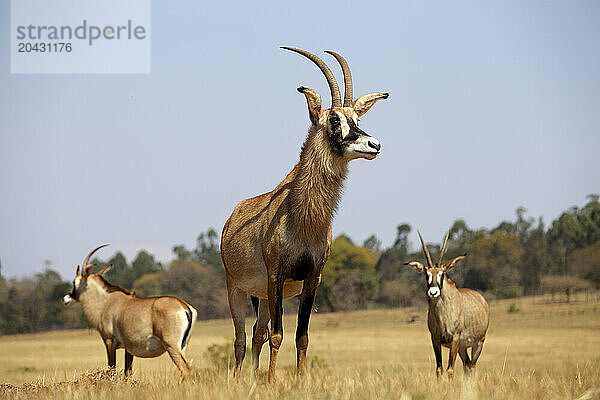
column 348, row 97
column 444, row 247
column 85, row 262
column 336, row 98
column 425, row 250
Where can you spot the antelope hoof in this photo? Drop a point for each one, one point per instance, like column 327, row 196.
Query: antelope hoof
column 450, row 373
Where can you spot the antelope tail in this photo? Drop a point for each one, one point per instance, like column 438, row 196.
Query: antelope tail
column 188, row 314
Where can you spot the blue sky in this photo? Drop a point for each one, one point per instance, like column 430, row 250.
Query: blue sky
column 493, row 106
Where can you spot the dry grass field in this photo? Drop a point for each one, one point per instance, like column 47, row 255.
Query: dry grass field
column 543, row 351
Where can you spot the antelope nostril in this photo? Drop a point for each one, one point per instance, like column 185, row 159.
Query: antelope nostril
column 374, row 145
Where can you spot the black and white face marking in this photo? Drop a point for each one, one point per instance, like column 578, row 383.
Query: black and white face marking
column 348, row 140
column 72, row 297
column 435, row 282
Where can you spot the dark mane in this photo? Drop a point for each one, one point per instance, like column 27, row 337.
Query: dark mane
column 112, row 288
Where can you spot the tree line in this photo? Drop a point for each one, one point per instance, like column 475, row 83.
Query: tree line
column 515, row 258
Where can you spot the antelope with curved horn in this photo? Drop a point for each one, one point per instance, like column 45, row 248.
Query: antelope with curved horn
column 274, row 246
column 144, row 326
column 457, row 318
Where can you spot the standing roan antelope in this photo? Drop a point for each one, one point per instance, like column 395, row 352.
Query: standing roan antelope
column 144, row 326
column 275, row 245
column 457, row 318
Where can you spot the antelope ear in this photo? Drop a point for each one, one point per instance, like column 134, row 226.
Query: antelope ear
column 88, row 269
column 417, row 266
column 314, row 103
column 78, row 272
column 452, row 263
column 364, row 103
column 105, row 270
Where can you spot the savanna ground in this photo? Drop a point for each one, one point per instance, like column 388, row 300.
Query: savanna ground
column 542, row 351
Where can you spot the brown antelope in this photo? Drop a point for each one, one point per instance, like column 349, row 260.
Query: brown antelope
column 274, row 246
column 144, row 326
column 457, row 318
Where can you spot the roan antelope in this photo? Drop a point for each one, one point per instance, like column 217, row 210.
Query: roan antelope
column 274, row 246
column 457, row 318
column 144, row 326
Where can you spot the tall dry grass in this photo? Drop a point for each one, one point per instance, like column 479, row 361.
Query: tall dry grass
column 543, row 351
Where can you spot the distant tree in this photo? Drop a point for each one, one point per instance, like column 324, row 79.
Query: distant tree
column 346, row 238
column 37, row 302
column 574, row 229
column 120, row 272
column 589, row 218
column 181, row 253
column 390, row 263
column 460, row 230
column 493, row 260
column 401, row 294
column 202, row 286
column 3, row 300
column 150, row 284
column 349, row 279
column 144, row 263
column 520, row 227
column 3, row 286
column 119, row 263
column 535, row 258
column 373, row 244
column 568, row 285
column 13, row 320
column 506, row 227
column 585, row 263
column 401, row 242
column 390, row 266
column 207, row 251
column 567, row 232
column 523, row 223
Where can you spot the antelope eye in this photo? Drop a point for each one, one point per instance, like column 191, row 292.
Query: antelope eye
column 334, row 120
